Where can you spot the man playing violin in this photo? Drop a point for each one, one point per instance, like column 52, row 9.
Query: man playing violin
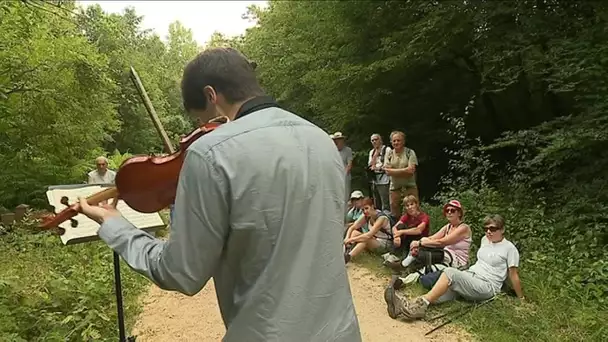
column 259, row 207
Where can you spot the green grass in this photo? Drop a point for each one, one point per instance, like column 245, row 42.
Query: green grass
column 51, row 292
column 545, row 315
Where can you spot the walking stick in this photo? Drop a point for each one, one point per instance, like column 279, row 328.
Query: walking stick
column 461, row 311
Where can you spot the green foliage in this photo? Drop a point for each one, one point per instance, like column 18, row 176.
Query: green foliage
column 503, row 102
column 54, row 101
column 66, row 94
column 52, row 292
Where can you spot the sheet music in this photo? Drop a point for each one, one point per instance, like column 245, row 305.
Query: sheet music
column 87, row 229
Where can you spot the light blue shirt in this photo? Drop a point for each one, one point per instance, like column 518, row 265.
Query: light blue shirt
column 259, row 207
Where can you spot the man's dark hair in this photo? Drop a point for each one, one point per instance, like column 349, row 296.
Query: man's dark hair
column 224, row 69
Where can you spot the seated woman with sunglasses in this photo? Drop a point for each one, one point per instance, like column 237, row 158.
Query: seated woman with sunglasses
column 497, row 259
column 454, row 238
column 377, row 236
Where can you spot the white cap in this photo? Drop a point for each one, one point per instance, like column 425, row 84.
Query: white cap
column 356, row 195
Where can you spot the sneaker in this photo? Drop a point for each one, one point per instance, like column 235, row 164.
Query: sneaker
column 414, row 309
column 411, row 278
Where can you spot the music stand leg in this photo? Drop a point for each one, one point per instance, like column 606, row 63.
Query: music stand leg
column 119, row 307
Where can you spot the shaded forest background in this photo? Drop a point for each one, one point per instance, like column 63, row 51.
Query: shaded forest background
column 505, row 103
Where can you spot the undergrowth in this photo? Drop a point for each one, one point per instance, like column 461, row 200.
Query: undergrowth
column 557, row 220
column 51, row 292
column 547, row 313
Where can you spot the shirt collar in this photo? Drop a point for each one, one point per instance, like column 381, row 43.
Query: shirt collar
column 255, row 104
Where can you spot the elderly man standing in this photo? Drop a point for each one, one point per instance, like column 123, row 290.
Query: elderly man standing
column 101, row 175
column 347, row 158
column 380, row 180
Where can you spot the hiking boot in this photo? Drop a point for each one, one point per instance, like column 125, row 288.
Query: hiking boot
column 346, row 258
column 393, row 303
column 394, row 265
column 415, row 309
column 396, row 282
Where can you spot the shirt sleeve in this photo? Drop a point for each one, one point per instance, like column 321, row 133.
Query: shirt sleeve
column 413, row 160
column 387, row 157
column 369, row 158
column 349, row 155
column 403, row 219
column 512, row 256
column 426, row 219
column 186, row 261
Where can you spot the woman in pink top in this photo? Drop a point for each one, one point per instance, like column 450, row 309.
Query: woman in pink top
column 454, row 237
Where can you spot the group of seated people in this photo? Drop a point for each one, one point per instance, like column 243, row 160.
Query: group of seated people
column 439, row 261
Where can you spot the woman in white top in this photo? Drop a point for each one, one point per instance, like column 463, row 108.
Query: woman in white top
column 378, row 237
column 497, row 260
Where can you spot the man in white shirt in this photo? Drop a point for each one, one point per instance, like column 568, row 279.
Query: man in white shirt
column 380, row 180
column 101, row 175
column 347, row 158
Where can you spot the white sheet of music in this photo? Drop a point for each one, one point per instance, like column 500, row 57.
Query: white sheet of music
column 87, row 229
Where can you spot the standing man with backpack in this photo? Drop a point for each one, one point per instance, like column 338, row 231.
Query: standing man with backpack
column 379, row 179
column 400, row 165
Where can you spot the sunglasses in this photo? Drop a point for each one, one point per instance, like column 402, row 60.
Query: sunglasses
column 450, row 210
column 491, row 228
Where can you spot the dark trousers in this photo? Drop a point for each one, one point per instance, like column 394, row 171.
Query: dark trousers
column 380, row 194
column 404, row 248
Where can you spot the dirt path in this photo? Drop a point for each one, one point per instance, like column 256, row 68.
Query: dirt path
column 169, row 316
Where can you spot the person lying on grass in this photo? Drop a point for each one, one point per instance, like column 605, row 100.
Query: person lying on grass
column 378, row 238
column 454, row 238
column 497, row 259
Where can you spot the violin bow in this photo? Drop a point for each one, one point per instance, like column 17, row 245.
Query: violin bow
column 150, row 109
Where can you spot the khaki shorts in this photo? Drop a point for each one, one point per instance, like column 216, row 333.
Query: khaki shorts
column 385, row 246
column 405, row 191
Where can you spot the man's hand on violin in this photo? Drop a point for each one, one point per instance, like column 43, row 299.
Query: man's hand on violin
column 99, row 213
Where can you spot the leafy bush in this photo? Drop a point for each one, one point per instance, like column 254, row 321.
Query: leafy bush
column 52, row 292
column 559, row 228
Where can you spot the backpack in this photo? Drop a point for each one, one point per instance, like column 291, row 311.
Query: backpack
column 391, row 221
column 408, row 152
column 383, row 153
column 371, row 174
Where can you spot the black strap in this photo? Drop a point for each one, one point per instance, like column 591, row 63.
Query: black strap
column 255, row 104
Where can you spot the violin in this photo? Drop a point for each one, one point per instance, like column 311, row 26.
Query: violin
column 145, row 183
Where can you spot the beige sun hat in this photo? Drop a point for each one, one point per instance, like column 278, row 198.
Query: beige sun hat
column 337, row 135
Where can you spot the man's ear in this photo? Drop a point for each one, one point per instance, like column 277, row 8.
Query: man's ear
column 210, row 95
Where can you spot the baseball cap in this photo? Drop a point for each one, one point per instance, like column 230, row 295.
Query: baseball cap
column 356, row 195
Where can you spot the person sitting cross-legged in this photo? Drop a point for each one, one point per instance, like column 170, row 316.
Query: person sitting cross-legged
column 376, row 238
column 497, row 259
column 412, row 226
column 356, row 210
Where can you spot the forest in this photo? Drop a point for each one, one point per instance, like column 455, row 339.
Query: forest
column 504, row 102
